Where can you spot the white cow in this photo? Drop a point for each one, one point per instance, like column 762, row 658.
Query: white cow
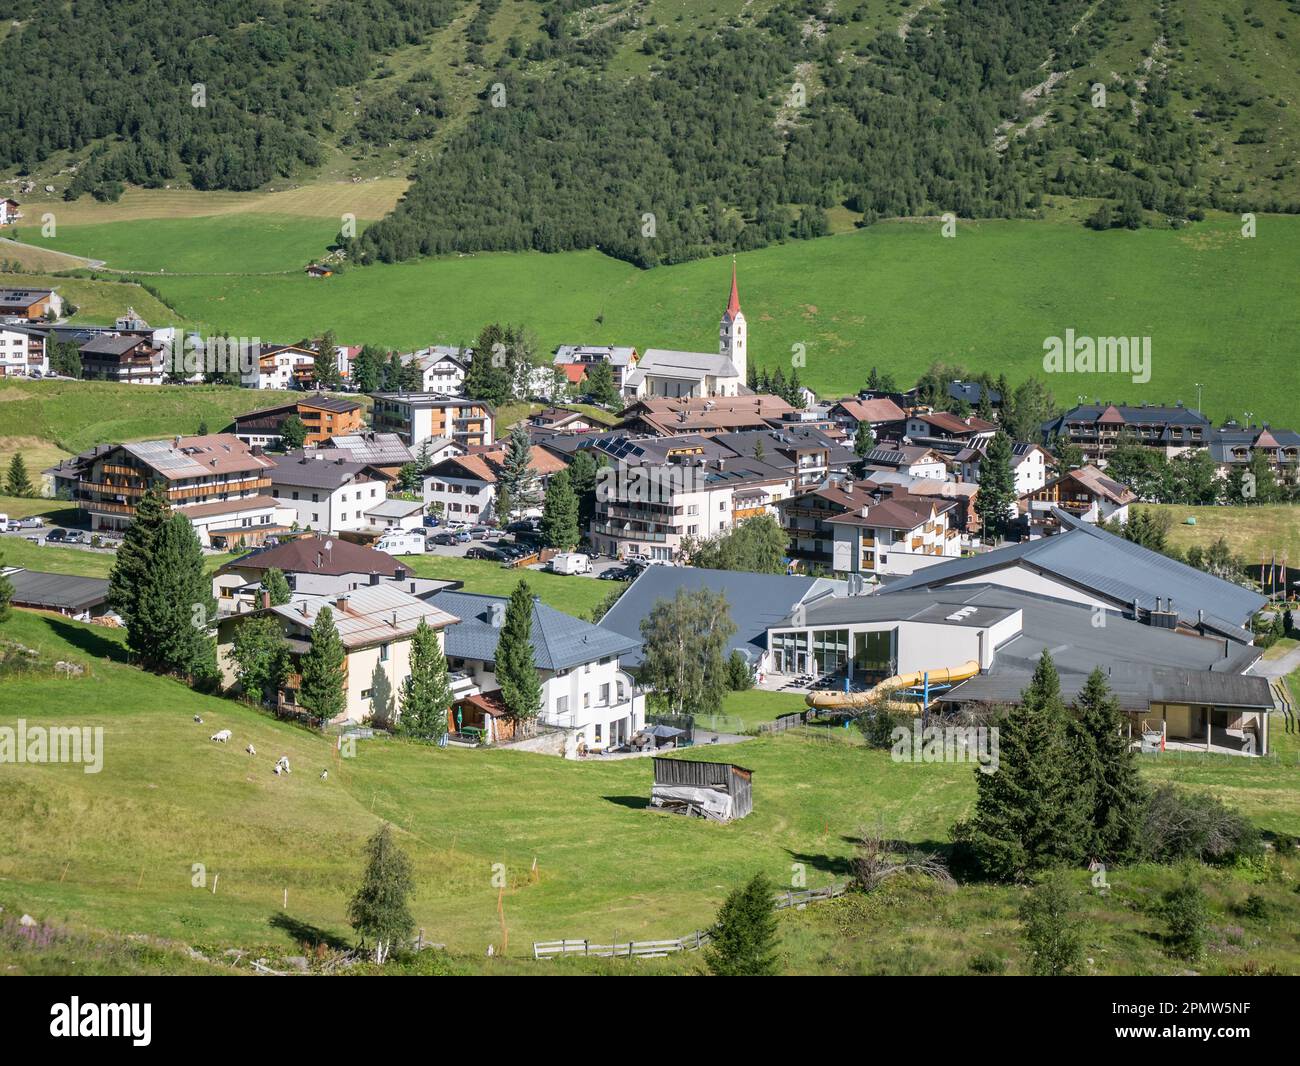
column 222, row 736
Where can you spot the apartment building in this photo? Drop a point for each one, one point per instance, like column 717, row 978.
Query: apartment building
column 420, row 416
column 1098, row 429
column 217, row 481
column 278, row 366
column 442, row 368
column 326, row 494
column 323, row 416
column 129, row 358
column 23, row 352
column 1233, row 447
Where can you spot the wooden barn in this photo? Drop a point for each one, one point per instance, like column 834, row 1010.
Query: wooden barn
column 716, row 790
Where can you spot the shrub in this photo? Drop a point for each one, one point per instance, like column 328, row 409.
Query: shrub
column 1185, row 914
column 877, row 728
column 1180, row 825
column 987, row 963
column 1051, row 931
column 1254, row 908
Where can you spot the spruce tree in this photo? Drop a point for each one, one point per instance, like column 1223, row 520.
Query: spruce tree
column 379, row 910
column 517, row 473
column 133, row 558
column 743, row 939
column 516, row 671
column 1026, row 816
column 426, row 692
column 322, row 670
column 560, row 513
column 1051, row 930
column 274, row 582
column 864, row 440
column 17, row 483
column 170, row 627
column 1106, row 777
column 997, row 487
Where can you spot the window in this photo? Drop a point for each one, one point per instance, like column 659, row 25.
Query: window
column 383, row 653
column 315, row 516
column 597, row 732
column 315, row 497
column 604, row 693
column 562, row 705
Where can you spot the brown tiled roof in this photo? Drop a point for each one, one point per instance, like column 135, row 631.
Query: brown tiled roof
column 307, row 554
column 873, row 411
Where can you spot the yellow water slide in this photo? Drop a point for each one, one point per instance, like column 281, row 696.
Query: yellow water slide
column 848, row 701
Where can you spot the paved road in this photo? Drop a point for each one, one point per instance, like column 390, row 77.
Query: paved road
column 1281, row 666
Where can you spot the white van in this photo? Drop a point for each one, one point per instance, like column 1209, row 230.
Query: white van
column 570, row 563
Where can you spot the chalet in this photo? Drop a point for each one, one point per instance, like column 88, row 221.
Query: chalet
column 929, row 427
column 586, row 695
column 129, row 358
column 1097, row 429
column 442, row 368
column 885, row 417
column 420, row 416
column 23, row 352
column 323, row 416
column 1029, row 465
column 9, row 213
column 913, row 459
column 1086, row 494
column 375, row 624
column 30, row 304
column 216, row 481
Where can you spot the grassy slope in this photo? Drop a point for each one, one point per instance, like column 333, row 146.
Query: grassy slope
column 1220, row 309
column 116, row 849
column 1254, row 533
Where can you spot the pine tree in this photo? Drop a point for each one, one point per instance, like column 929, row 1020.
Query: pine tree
column 17, row 483
column 600, row 385
column 325, row 367
column 517, row 473
column 322, row 670
column 274, row 582
column 1026, row 817
column 521, row 688
column 134, row 557
column 560, row 513
column 426, row 692
column 1106, row 778
column 997, row 487
column 743, row 940
column 864, row 440
column 1051, row 930
column 170, row 628
column 379, row 910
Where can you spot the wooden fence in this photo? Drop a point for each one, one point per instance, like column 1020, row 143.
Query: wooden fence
column 657, row 949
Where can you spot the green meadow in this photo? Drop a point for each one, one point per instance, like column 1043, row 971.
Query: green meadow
column 1220, row 309
column 198, row 843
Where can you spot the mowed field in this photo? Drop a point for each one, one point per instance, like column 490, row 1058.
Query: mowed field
column 141, row 845
column 1220, row 309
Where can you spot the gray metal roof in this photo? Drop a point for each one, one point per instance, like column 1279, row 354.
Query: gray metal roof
column 757, row 601
column 560, row 641
column 35, row 588
column 314, row 471
column 1112, row 568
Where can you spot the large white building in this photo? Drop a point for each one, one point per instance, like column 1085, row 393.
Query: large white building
column 326, row 494
column 664, row 372
column 23, row 352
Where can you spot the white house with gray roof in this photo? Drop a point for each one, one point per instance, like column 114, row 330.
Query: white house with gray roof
column 586, row 694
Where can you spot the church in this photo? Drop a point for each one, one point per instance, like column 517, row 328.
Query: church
column 661, row 372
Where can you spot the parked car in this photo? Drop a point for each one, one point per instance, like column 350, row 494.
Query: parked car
column 12, row 525
column 56, row 536
column 479, row 532
column 31, row 522
column 483, row 551
column 76, row 536
column 431, row 520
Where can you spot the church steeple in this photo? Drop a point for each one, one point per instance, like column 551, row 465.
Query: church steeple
column 731, row 330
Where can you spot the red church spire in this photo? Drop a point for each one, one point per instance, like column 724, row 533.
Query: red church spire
column 733, row 305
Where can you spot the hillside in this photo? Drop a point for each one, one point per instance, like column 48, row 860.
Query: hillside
column 198, row 843
column 562, row 126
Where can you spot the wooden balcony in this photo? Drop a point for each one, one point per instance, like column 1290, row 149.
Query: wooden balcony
column 244, row 485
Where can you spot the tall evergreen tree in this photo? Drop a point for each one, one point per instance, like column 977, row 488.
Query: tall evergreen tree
column 325, row 367
column 17, row 482
column 134, row 557
column 293, row 433
column 864, row 440
column 322, row 670
column 744, row 937
column 600, row 385
column 521, row 687
column 170, row 626
column 1026, row 817
column 367, row 369
column 274, row 582
column 1106, row 777
column 517, row 472
column 380, row 909
column 426, row 692
column 261, row 657
column 997, row 488
column 560, row 513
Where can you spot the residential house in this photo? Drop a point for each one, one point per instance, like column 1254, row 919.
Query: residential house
column 326, row 494
column 23, row 352
column 916, row 460
column 930, row 427
column 1085, row 493
column 442, row 368
column 9, row 213
column 886, row 419
column 1029, row 465
column 216, row 481
column 323, row 416
column 419, row 416
column 279, row 366
column 670, row 417
column 30, row 304
column 576, row 359
column 462, row 489
column 128, row 358
column 314, row 565
column 1097, row 429
column 375, row 624
column 586, row 695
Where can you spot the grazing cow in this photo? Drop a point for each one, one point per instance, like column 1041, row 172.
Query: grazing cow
column 251, row 750
column 222, row 736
